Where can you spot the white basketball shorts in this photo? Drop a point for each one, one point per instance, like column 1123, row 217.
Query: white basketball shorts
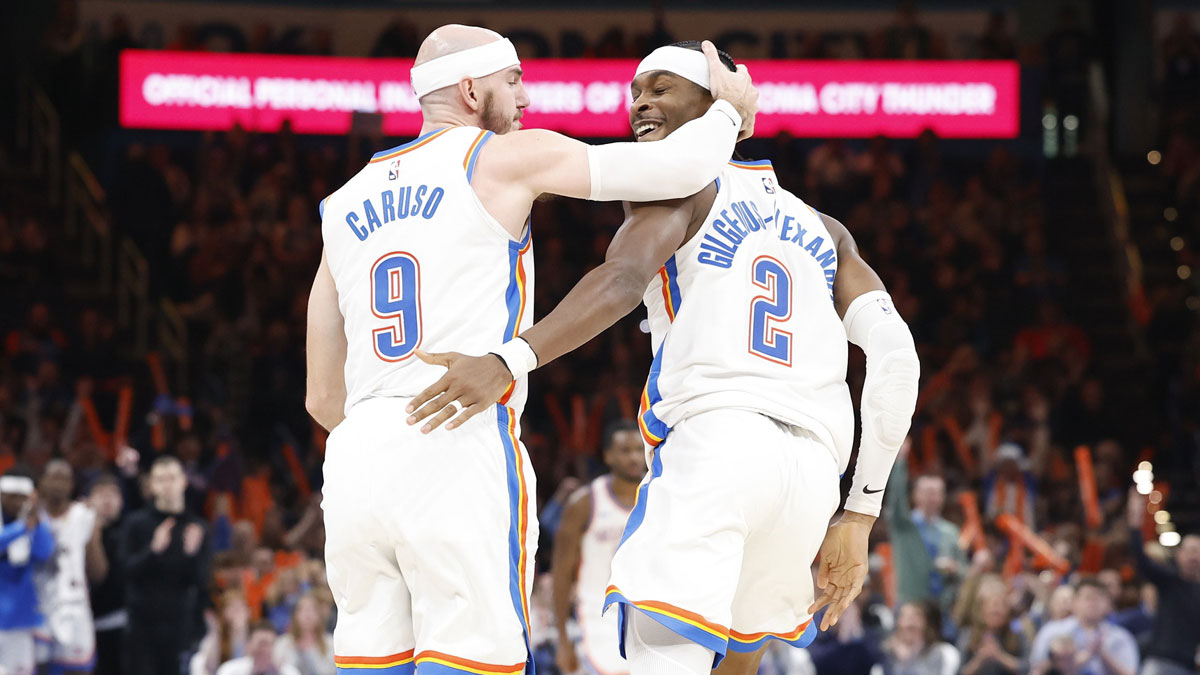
column 728, row 521
column 67, row 640
column 16, row 652
column 599, row 650
column 429, row 543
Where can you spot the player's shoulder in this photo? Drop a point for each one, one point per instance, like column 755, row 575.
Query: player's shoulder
column 579, row 504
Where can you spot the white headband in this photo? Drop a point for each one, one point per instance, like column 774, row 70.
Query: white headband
column 686, row 63
column 16, row 485
column 452, row 68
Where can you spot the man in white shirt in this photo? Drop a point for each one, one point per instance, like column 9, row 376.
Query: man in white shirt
column 260, row 655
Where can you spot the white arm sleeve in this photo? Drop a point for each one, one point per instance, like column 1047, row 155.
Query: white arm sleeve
column 889, row 394
column 679, row 165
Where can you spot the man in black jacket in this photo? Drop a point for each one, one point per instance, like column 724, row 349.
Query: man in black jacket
column 108, row 591
column 165, row 553
column 1175, row 638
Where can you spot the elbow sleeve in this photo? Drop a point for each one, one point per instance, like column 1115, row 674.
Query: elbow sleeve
column 679, row 165
column 889, row 395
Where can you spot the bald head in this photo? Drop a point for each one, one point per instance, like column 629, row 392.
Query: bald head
column 469, row 76
column 451, row 38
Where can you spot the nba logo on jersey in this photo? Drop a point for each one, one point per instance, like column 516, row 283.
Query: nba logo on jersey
column 768, row 185
column 394, row 170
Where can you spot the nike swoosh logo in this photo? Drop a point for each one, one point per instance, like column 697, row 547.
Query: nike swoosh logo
column 868, row 491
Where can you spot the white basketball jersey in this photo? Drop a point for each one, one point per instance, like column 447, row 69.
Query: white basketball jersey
column 597, row 547
column 742, row 316
column 419, row 263
column 62, row 580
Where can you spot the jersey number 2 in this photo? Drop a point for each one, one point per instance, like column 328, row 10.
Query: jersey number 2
column 396, row 296
column 766, row 340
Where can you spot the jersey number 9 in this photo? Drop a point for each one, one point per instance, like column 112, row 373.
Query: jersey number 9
column 396, row 296
column 766, row 340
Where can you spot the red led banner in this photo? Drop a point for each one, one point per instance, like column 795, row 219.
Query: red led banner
column 582, row 97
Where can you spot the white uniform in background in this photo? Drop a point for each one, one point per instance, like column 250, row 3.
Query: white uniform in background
column 598, row 648
column 430, row 538
column 68, row 638
column 748, row 421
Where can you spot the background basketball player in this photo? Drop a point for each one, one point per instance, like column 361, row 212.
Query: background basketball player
column 430, row 543
column 584, row 544
column 751, row 296
column 67, row 641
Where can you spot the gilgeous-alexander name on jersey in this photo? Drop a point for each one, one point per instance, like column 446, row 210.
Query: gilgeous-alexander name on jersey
column 742, row 316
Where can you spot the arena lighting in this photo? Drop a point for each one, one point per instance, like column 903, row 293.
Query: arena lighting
column 1176, row 243
column 1155, row 497
column 1184, row 272
column 1162, row 517
column 1170, row 539
column 1154, row 157
column 1193, row 303
column 1145, row 466
column 1170, row 213
column 583, row 97
column 1143, row 475
column 1144, row 488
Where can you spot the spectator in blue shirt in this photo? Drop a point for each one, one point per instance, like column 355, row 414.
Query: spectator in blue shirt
column 24, row 541
column 1100, row 648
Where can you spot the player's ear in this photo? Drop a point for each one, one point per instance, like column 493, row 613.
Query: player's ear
column 469, row 92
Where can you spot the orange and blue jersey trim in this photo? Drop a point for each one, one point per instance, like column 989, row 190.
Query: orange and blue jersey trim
column 689, row 625
column 321, row 207
column 653, row 429
column 518, row 526
column 394, row 664
column 430, row 662
column 516, row 297
column 753, row 165
column 800, row 636
column 415, row 143
column 473, row 152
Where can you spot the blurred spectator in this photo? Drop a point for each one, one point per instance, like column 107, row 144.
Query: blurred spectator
column 24, row 542
column 996, row 43
column 306, row 645
column 108, row 589
column 1068, row 53
column 399, row 40
column 1010, row 487
column 228, row 629
column 916, row 647
column 1175, row 637
column 928, row 561
column 1084, row 641
column 906, row 38
column 165, row 550
column 260, row 656
column 1181, row 63
column 989, row 645
column 851, row 647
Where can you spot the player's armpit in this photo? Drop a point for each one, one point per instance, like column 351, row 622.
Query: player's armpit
column 854, row 275
column 325, row 397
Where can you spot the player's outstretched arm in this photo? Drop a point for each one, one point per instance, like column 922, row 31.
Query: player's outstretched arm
column 325, row 397
column 676, row 166
column 889, row 398
column 649, row 236
column 564, row 569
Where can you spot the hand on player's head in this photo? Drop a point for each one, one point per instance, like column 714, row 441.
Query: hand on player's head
column 733, row 86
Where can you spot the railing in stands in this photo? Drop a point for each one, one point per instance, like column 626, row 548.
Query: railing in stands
column 173, row 343
column 1116, row 209
column 87, row 221
column 88, row 224
column 133, row 291
column 45, row 134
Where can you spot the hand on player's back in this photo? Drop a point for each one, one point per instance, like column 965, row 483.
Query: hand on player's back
column 735, row 87
column 473, row 382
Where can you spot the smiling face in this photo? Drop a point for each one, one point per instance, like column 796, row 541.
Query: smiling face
column 663, row 102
